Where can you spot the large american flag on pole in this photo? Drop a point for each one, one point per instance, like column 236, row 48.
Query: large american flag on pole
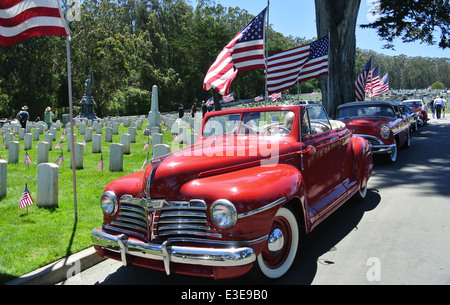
column 361, row 81
column 300, row 64
column 244, row 53
column 23, row 19
column 25, row 199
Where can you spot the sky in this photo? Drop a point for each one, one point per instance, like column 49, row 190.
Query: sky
column 297, row 18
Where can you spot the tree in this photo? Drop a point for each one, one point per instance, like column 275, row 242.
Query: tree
column 338, row 19
column 413, row 20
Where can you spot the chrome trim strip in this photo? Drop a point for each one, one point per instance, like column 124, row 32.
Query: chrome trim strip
column 264, row 208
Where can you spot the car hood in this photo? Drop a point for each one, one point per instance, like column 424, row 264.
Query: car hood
column 213, row 157
column 368, row 126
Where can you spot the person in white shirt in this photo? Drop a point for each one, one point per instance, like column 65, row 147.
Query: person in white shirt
column 439, row 105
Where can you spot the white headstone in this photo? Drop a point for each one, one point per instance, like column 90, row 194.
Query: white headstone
column 3, row 177
column 47, row 185
column 116, row 157
column 96, row 143
column 13, row 153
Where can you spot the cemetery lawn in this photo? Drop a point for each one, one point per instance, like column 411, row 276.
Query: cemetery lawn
column 33, row 238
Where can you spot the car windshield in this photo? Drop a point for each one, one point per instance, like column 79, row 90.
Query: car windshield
column 261, row 123
column 413, row 104
column 366, row 111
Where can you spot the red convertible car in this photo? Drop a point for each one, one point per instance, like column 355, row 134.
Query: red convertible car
column 240, row 198
column 420, row 107
column 381, row 123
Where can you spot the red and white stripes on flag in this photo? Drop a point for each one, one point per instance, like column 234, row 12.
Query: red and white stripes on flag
column 25, row 199
column 23, row 19
column 383, row 87
column 300, row 64
column 361, row 81
column 374, row 81
column 244, row 52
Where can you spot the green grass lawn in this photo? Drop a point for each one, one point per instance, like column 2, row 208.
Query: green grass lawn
column 31, row 239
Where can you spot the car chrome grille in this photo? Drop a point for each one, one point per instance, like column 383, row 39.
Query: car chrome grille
column 132, row 219
column 183, row 218
column 150, row 219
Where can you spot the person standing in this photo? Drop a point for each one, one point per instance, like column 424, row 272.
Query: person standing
column 193, row 110
column 180, row 111
column 439, row 104
column 204, row 109
column 48, row 118
column 23, row 116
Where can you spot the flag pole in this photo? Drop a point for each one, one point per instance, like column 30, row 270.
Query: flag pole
column 267, row 51
column 69, row 73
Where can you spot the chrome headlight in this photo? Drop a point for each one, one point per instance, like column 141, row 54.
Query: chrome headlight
column 385, row 131
column 109, row 203
column 223, row 214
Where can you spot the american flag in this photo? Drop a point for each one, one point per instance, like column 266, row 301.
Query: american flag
column 275, row 97
column 100, row 164
column 210, row 102
column 147, row 145
column 259, row 98
column 25, row 199
column 374, row 81
column 60, row 159
column 23, row 19
column 228, row 98
column 383, row 87
column 361, row 81
column 59, row 144
column 244, row 52
column 300, row 64
column 144, row 165
column 27, row 158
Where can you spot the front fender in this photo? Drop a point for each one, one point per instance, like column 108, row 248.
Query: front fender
column 249, row 189
column 132, row 184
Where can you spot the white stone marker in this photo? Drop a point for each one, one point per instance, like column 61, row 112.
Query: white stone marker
column 125, row 140
column 3, row 177
column 47, row 185
column 157, row 138
column 28, row 141
column 132, row 132
column 108, row 134
column 78, row 151
column 160, row 150
column 88, row 134
column 116, row 157
column 43, row 148
column 96, row 143
column 13, row 153
column 49, row 139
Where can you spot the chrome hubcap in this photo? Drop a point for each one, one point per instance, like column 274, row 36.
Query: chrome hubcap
column 275, row 242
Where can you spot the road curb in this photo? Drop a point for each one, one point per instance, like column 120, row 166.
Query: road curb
column 59, row 271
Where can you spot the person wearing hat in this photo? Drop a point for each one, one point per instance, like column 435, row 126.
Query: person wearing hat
column 48, row 118
column 23, row 116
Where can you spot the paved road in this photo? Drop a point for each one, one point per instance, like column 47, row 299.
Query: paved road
column 400, row 234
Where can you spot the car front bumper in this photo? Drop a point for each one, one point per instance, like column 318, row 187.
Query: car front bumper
column 169, row 252
column 377, row 146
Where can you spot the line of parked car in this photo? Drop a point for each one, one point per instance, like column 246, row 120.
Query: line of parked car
column 241, row 199
column 387, row 125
